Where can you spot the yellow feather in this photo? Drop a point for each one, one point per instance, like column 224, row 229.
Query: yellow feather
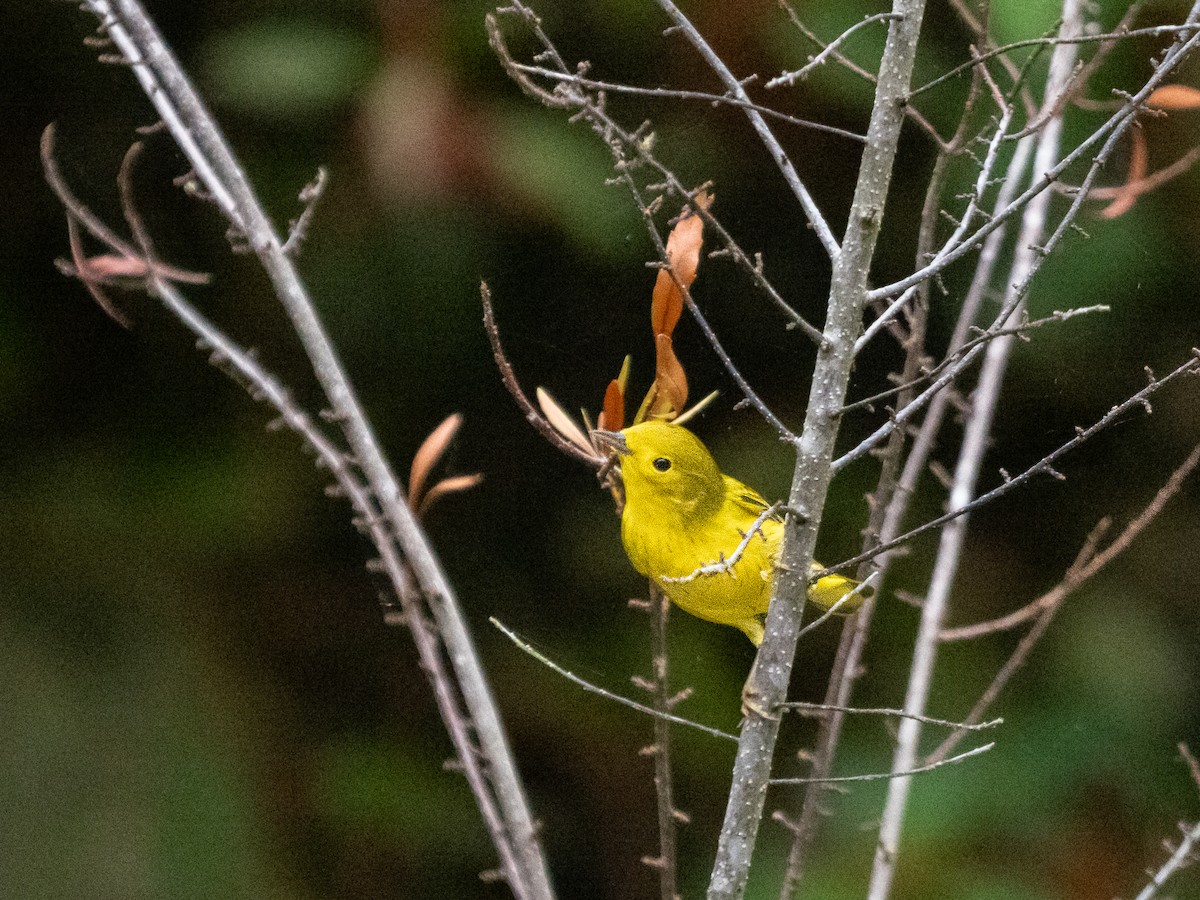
column 683, row 524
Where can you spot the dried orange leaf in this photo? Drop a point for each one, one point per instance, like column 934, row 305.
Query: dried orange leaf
column 1174, row 96
column 667, row 305
column 670, row 382
column 1129, row 192
column 613, row 416
column 428, row 454
column 561, row 422
column 447, row 486
column 683, row 251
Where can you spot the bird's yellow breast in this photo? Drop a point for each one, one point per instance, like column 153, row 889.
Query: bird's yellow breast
column 670, row 551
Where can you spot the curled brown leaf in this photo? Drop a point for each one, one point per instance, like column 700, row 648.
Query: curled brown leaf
column 1174, row 96
column 446, row 486
column 1139, row 157
column 431, row 450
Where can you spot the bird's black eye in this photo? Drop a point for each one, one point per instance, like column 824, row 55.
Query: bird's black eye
column 662, row 464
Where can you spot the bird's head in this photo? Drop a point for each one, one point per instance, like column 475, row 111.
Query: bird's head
column 666, row 465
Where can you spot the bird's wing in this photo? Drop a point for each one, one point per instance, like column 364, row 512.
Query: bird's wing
column 747, row 498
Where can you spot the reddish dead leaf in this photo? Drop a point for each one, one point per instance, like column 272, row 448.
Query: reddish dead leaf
column 612, row 417
column 427, row 456
column 670, row 383
column 447, row 486
column 1127, row 195
column 1174, row 96
column 683, row 250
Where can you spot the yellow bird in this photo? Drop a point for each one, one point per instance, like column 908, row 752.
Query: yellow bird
column 684, row 522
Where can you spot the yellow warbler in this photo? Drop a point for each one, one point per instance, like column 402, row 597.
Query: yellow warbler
column 684, row 522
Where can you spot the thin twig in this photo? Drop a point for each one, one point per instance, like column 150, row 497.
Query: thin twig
column 1154, row 31
column 309, row 196
column 909, row 110
column 1076, row 577
column 668, row 817
column 979, row 27
column 885, row 776
column 1193, row 764
column 1179, row 859
column 868, row 582
column 509, row 377
column 789, row 78
column 603, row 692
column 610, row 87
column 718, row 566
column 778, row 155
column 1145, row 185
column 801, row 706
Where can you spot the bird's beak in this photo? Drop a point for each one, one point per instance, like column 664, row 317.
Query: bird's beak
column 613, row 440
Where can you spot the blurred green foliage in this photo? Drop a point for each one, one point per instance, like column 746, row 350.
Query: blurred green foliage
column 200, row 699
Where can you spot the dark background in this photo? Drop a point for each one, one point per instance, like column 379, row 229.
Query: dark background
column 198, row 697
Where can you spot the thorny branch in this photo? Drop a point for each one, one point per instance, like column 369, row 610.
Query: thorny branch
column 768, row 682
column 887, row 497
column 243, row 368
column 216, row 168
column 659, row 685
column 1044, row 608
column 608, row 87
column 790, row 78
